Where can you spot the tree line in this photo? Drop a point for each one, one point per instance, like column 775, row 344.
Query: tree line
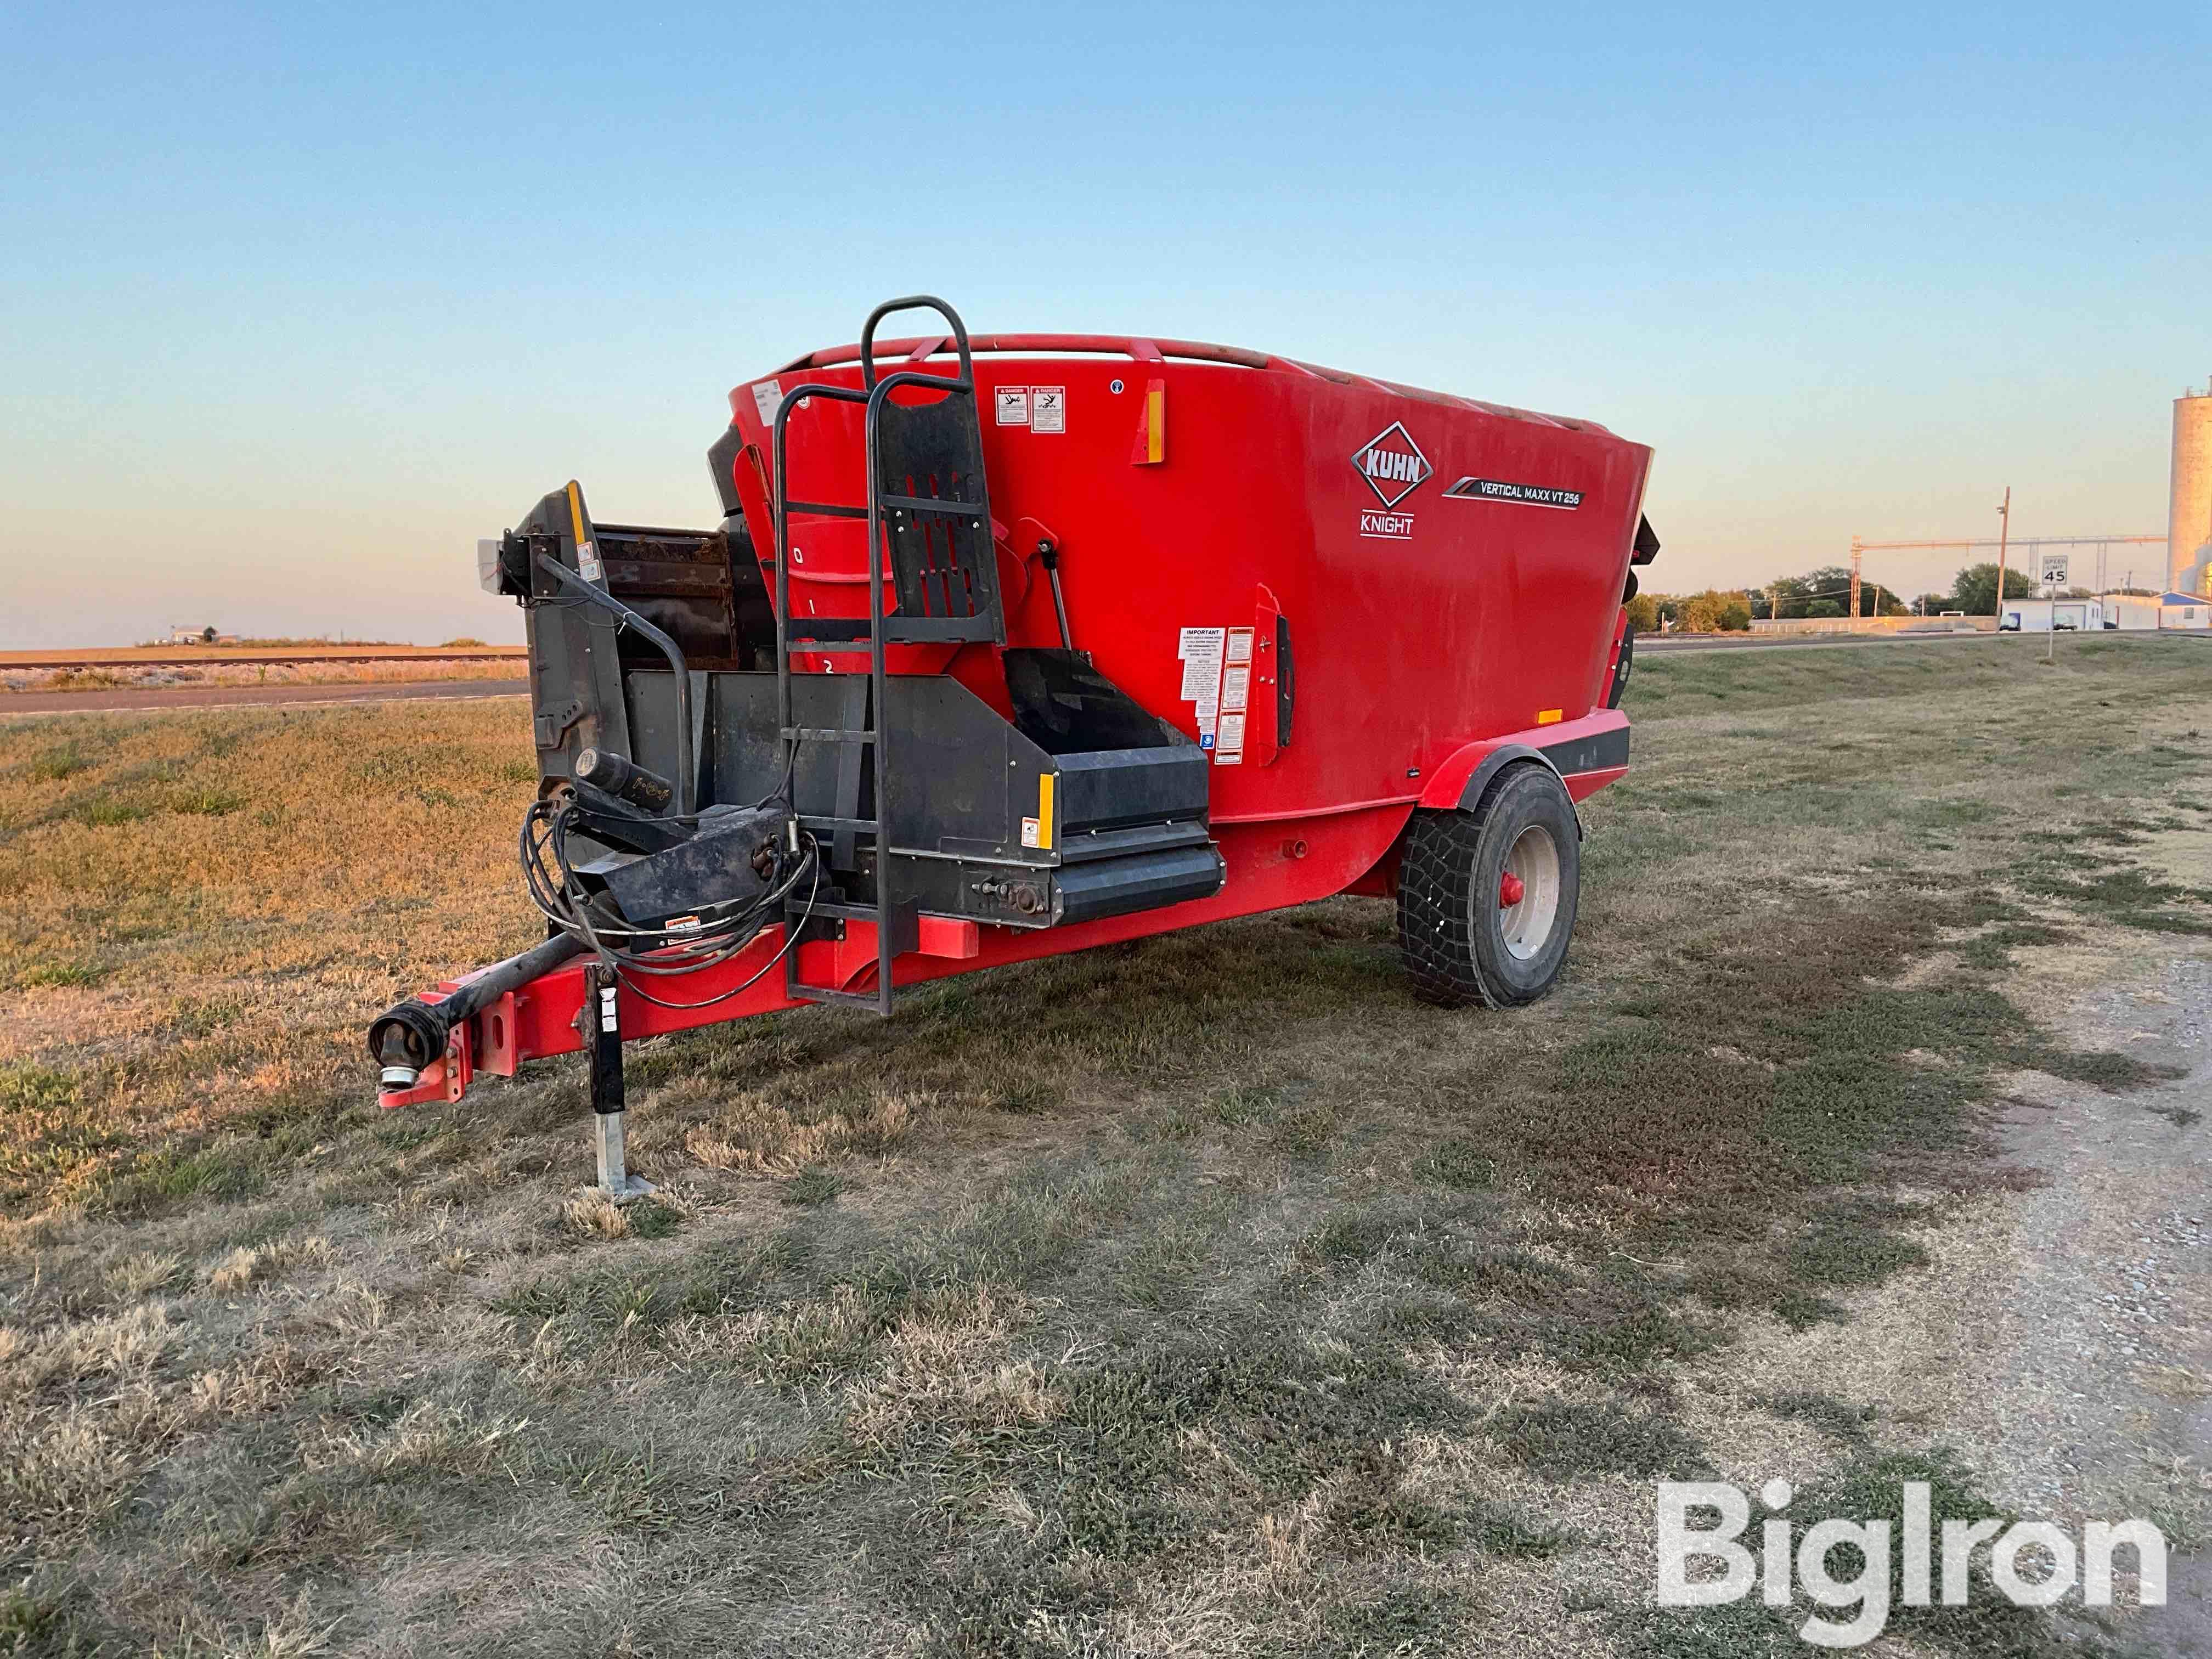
column 1825, row 593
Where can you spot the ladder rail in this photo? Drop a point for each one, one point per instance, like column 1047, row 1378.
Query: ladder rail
column 878, row 685
column 787, row 755
column 879, row 399
column 874, row 394
column 914, row 303
column 789, row 733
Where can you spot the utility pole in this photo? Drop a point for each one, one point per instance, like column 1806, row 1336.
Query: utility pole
column 1856, row 551
column 2004, row 534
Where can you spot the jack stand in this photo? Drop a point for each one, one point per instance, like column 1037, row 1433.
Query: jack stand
column 603, row 1026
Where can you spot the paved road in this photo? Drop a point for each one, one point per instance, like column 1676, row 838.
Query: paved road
column 1794, row 642
column 248, row 696
column 1846, row 641
column 213, row 659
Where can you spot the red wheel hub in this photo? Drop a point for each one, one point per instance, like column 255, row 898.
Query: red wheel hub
column 1510, row 888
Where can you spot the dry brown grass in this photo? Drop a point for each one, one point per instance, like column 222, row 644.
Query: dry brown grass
column 753, row 1135
column 1207, row 1296
column 156, row 676
column 200, row 906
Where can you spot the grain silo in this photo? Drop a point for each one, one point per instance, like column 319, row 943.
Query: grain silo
column 2188, row 530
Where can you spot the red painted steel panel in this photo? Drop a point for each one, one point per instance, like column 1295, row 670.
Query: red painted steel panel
column 1420, row 621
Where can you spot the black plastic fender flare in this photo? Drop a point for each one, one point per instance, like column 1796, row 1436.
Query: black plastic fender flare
column 1512, row 754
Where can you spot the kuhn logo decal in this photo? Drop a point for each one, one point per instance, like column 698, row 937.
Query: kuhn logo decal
column 1392, row 462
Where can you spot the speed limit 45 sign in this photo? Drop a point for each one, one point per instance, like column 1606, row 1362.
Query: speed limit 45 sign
column 2054, row 569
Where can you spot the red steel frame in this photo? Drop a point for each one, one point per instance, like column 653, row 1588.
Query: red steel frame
column 1483, row 617
column 1345, row 851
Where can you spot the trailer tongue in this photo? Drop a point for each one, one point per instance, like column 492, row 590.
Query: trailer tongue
column 982, row 665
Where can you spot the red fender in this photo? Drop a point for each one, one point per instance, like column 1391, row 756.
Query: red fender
column 1587, row 754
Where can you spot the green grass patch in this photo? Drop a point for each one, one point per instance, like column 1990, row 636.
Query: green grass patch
column 603, row 1297
column 52, row 765
column 107, row 811
column 206, row 801
column 1855, row 1243
column 650, row 1219
column 50, row 1129
column 61, row 974
column 164, row 1177
column 1993, row 950
column 1831, row 1416
column 1413, row 1621
column 810, row 1187
column 1567, row 1440
column 28, row 1091
column 1460, row 1164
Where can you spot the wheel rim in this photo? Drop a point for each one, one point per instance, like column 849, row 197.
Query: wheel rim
column 1533, row 861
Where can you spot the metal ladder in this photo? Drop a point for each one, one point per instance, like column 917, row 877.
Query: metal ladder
column 928, row 514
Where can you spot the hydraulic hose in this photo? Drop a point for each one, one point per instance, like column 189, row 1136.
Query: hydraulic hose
column 407, row 1037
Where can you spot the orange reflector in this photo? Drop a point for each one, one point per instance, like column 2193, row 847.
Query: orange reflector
column 1151, row 445
column 1550, row 716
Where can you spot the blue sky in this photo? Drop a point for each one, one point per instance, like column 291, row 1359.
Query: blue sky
column 300, row 302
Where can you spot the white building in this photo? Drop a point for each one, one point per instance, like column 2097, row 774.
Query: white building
column 2041, row 616
column 2136, row 612
column 2184, row 611
column 2141, row 612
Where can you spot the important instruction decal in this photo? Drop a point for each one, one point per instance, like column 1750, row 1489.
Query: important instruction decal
column 1048, row 409
column 1012, row 402
column 1235, row 693
column 768, row 398
column 1497, row 490
column 1217, row 683
column 1200, row 650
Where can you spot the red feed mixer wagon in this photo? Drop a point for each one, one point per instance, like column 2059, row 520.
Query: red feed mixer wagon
column 1015, row 645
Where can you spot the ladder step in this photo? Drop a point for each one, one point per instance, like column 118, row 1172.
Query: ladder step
column 825, row 734
column 823, row 994
column 834, row 912
column 869, row 826
column 825, row 509
column 902, row 630
column 936, row 504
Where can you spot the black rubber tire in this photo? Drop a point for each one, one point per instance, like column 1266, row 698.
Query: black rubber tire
column 1623, row 667
column 1451, row 929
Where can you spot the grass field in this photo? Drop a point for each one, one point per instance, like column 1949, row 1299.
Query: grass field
column 158, row 671
column 1202, row 1295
